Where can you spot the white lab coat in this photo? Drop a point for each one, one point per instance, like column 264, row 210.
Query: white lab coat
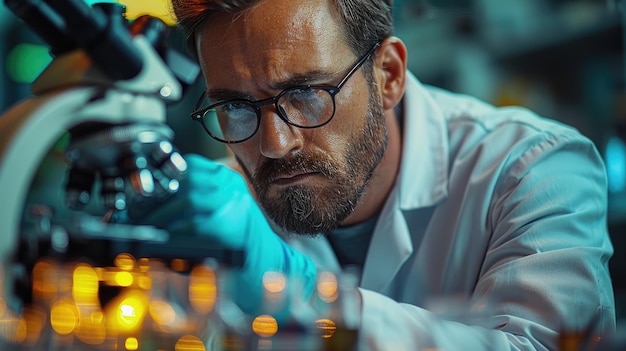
column 493, row 238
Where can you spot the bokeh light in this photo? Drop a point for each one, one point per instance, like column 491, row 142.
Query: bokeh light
column 202, row 289
column 64, row 316
column 265, row 326
column 274, row 282
column 131, row 344
column 125, row 261
column 327, row 327
column 85, row 284
column 327, row 288
column 189, row 343
column 26, row 61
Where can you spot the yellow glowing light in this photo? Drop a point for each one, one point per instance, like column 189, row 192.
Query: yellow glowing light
column 189, row 343
column 85, row 284
column 13, row 328
column 265, row 326
column 44, row 275
column 125, row 261
column 202, row 289
column 162, row 312
column 157, row 8
column 130, row 310
column 327, row 327
column 131, row 344
column 274, row 282
column 124, row 278
column 63, row 317
column 327, row 286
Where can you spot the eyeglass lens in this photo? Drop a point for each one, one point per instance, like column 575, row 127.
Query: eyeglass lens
column 305, row 107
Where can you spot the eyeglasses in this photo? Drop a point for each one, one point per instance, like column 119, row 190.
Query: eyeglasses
column 303, row 106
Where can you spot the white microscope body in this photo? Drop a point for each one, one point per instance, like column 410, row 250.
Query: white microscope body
column 123, row 117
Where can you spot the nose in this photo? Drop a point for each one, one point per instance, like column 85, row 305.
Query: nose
column 278, row 139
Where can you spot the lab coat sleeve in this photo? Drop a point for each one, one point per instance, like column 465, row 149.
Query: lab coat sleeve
column 545, row 270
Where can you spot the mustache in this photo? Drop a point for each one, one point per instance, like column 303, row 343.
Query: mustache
column 272, row 169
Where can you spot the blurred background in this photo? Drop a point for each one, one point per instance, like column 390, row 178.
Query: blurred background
column 562, row 58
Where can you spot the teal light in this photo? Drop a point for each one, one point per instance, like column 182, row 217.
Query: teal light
column 26, row 61
column 615, row 159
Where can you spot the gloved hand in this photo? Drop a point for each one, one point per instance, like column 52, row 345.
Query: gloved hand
column 214, row 202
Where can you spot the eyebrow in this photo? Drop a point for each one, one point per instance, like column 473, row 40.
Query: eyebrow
column 217, row 95
column 315, row 77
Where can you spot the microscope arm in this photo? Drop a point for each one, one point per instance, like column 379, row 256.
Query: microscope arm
column 71, row 92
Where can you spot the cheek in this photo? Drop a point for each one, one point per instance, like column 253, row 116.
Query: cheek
column 351, row 107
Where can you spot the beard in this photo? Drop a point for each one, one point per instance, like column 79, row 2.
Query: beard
column 311, row 209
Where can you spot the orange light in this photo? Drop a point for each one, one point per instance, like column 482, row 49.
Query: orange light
column 274, row 282
column 44, row 277
column 265, row 326
column 144, row 264
column 125, row 261
column 327, row 327
column 85, row 284
column 189, row 343
column 63, row 317
column 202, row 289
column 179, row 265
column 327, row 287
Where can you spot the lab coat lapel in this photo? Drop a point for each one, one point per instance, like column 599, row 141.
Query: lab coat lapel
column 390, row 246
column 422, row 182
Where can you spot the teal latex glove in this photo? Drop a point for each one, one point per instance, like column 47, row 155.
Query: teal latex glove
column 214, row 202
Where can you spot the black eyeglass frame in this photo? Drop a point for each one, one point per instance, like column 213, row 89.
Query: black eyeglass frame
column 199, row 114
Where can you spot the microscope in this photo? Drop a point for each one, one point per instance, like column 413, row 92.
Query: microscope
column 101, row 103
column 76, row 272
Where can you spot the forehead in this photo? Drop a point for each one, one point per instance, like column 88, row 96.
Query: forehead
column 270, row 39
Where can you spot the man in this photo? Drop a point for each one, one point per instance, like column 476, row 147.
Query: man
column 435, row 196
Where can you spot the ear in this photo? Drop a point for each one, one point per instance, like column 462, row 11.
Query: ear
column 390, row 68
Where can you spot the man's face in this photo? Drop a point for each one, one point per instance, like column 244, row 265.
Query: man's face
column 307, row 180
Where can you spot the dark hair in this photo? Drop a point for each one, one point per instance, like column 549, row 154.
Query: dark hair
column 365, row 21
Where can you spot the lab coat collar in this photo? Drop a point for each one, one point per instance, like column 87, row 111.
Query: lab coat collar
column 423, row 178
column 422, row 182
